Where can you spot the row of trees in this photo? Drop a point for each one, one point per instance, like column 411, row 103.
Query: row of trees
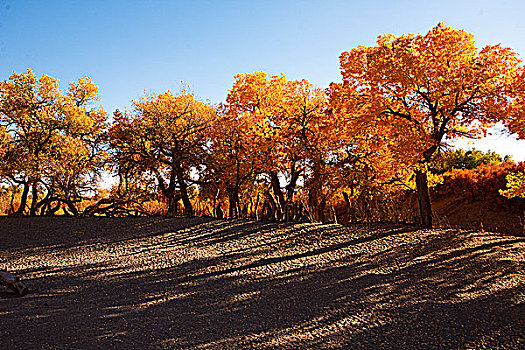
column 277, row 148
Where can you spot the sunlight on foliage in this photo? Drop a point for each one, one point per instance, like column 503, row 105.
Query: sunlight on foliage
column 515, row 185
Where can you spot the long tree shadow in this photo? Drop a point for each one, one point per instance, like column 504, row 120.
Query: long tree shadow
column 433, row 292
column 310, row 253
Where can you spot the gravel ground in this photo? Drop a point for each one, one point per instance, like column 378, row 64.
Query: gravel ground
column 100, row 283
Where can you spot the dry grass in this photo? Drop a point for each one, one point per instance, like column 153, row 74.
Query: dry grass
column 207, row 284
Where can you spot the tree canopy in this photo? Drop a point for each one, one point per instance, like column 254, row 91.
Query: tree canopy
column 426, row 89
column 162, row 137
column 53, row 143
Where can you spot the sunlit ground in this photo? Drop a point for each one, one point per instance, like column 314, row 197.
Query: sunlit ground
column 204, row 284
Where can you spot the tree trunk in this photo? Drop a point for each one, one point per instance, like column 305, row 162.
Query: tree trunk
column 425, row 208
column 71, row 207
column 172, row 205
column 215, row 199
column 314, row 193
column 272, row 206
column 233, row 196
column 276, row 187
column 320, row 210
column 34, row 199
column 256, row 207
column 334, row 214
column 290, row 190
column 53, row 209
column 12, row 205
column 249, row 213
column 23, row 200
column 169, row 192
column 218, row 211
column 188, row 210
column 348, row 207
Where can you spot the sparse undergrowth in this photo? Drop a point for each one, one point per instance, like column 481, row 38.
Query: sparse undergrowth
column 223, row 284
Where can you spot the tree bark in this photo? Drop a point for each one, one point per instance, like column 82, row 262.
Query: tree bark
column 71, row 207
column 169, row 191
column 272, row 206
column 320, row 210
column 290, row 190
column 218, row 212
column 425, row 209
column 233, row 210
column 215, row 198
column 276, row 187
column 172, row 205
column 34, row 199
column 314, row 193
column 23, row 200
column 188, row 209
column 350, row 217
column 334, row 214
column 12, row 205
column 256, row 207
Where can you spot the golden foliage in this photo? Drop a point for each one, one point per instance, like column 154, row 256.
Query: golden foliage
column 515, row 185
column 51, row 141
column 163, row 138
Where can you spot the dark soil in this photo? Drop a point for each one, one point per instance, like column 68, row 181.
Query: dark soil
column 99, row 283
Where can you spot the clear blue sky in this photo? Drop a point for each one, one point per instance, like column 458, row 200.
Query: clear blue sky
column 130, row 46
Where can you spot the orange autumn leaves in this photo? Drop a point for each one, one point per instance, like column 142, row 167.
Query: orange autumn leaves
column 399, row 101
column 285, row 119
column 284, row 127
column 423, row 90
column 433, row 86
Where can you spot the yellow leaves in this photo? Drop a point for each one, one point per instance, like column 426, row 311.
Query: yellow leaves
column 163, row 128
column 168, row 110
column 515, row 185
column 83, row 91
column 81, row 123
column 39, row 104
column 69, row 155
column 56, row 135
column 5, row 140
column 282, row 125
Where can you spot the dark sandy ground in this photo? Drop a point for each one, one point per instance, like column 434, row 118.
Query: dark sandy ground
column 99, row 283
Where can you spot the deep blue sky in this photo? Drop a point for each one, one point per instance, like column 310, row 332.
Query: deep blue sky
column 127, row 47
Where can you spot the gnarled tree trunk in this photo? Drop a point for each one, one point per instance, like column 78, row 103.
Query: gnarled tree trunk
column 233, row 210
column 23, row 200
column 425, row 209
column 188, row 209
column 315, row 192
column 278, row 208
